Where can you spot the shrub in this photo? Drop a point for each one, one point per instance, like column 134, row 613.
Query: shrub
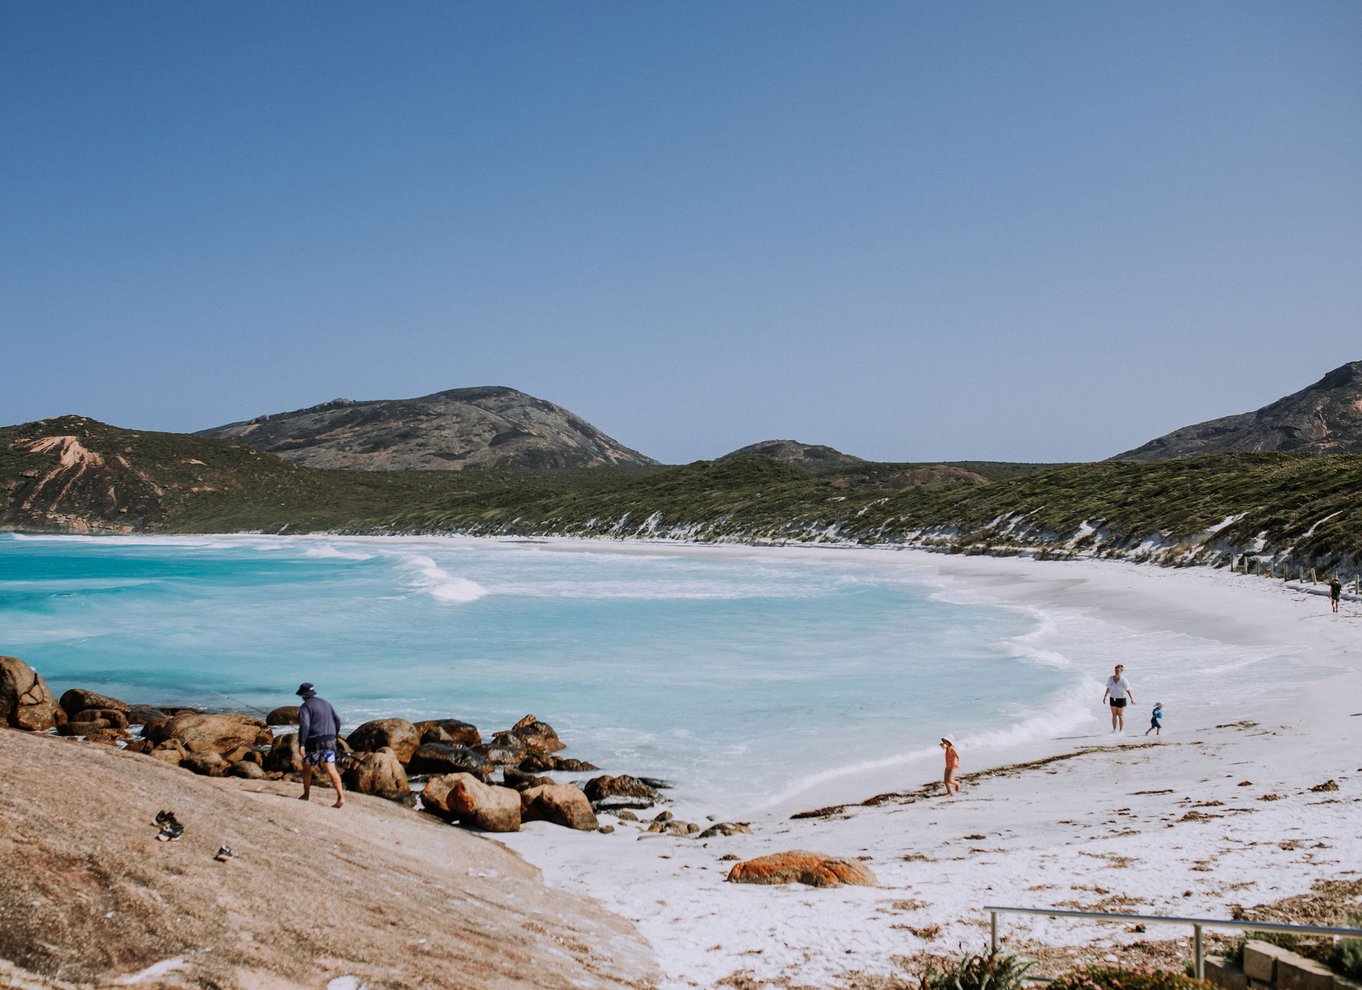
column 985, row 971
column 1116, row 978
column 1347, row 954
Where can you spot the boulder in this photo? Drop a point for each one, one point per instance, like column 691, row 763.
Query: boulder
column 533, row 735
column 608, row 790
column 26, row 702
column 155, row 729
column 464, row 798
column 521, row 781
column 246, row 770
column 501, row 754
column 397, row 734
column 169, row 751
column 112, row 718
column 379, row 773
column 284, row 715
column 450, row 731
column 539, row 762
column 141, row 714
column 558, row 804
column 801, row 866
column 439, row 758
column 89, row 729
column 726, row 828
column 78, row 700
column 485, row 806
column 105, row 737
column 284, row 755
column 206, row 764
column 220, row 733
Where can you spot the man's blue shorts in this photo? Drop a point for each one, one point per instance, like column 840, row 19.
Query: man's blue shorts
column 316, row 757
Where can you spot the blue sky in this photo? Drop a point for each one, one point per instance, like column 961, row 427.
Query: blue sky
column 913, row 231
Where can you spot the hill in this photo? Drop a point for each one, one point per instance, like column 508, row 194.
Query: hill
column 78, row 475
column 796, row 453
column 492, row 428
column 1325, row 418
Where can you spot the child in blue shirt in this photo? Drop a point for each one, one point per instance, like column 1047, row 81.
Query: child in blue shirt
column 1156, row 721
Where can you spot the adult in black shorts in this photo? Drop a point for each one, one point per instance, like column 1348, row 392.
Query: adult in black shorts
column 1116, row 695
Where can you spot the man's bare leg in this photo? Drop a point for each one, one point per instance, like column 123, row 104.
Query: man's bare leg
column 336, row 783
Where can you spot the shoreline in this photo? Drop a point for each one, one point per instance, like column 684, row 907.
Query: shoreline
column 1222, row 813
column 1216, row 816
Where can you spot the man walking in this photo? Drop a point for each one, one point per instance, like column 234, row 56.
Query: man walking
column 318, row 727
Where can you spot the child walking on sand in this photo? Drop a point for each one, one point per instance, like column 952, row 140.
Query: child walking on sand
column 1156, row 721
column 952, row 765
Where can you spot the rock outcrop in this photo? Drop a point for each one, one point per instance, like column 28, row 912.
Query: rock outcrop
column 219, row 733
column 489, row 428
column 529, row 735
column 439, row 758
column 26, row 702
column 397, row 734
column 465, row 799
column 800, row 866
column 449, row 731
column 373, row 895
column 623, row 791
column 558, row 804
column 378, row 773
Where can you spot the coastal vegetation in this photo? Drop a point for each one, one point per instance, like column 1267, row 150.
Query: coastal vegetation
column 1279, row 513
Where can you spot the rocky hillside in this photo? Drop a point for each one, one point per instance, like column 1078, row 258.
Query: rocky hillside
column 373, row 894
column 492, row 428
column 77, row 475
column 1325, row 418
column 803, row 455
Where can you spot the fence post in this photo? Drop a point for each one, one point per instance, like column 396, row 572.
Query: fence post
column 1313, row 578
column 1200, row 957
column 993, row 930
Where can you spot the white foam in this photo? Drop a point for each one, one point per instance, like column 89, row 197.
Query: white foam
column 435, row 581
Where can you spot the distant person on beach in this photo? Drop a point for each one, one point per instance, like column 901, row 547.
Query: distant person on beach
column 1335, row 592
column 318, row 727
column 1156, row 721
column 1117, row 694
column 952, row 765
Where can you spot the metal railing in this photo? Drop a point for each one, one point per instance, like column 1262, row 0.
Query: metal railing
column 1197, row 925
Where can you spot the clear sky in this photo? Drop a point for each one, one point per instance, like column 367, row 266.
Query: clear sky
column 924, row 230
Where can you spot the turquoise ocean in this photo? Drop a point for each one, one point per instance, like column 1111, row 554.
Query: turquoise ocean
column 749, row 678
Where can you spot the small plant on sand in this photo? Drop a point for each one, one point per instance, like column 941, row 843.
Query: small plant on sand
column 984, row 971
column 1117, row 978
column 1348, row 952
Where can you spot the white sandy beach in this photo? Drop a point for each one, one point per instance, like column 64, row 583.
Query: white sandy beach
column 1217, row 813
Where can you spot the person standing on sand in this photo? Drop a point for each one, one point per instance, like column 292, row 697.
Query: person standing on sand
column 1335, row 592
column 952, row 765
column 1117, row 693
column 318, row 727
column 1156, row 721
